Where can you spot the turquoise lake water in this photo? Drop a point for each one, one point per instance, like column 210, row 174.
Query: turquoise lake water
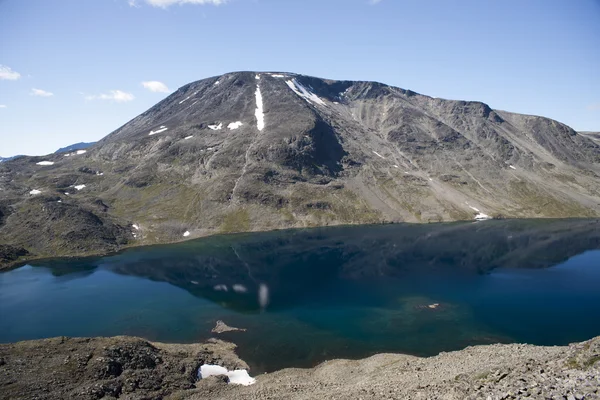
column 309, row 295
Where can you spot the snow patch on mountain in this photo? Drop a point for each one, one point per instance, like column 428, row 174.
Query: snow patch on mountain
column 234, row 125
column 78, row 152
column 260, row 112
column 303, row 92
column 45, row 163
column 160, row 130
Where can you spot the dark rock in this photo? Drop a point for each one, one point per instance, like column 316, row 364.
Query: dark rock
column 10, row 253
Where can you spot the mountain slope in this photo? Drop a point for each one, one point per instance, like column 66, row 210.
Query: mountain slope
column 255, row 151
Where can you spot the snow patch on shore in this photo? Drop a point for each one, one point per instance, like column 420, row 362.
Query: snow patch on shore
column 236, row 377
column 480, row 216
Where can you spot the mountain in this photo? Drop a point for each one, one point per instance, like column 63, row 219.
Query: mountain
column 250, row 151
column 74, row 147
column 2, row 159
column 595, row 136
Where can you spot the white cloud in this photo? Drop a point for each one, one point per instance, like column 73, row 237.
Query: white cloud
column 8, row 73
column 168, row 3
column 373, row 2
column 2, row 105
column 115, row 95
column 156, row 86
column 40, row 93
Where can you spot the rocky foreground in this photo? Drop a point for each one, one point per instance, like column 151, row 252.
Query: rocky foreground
column 132, row 368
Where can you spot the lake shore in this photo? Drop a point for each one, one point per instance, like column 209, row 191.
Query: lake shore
column 133, row 368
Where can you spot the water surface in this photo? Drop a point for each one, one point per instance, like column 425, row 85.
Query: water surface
column 305, row 296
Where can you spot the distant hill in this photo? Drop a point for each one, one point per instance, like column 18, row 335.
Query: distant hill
column 595, row 136
column 74, row 147
column 9, row 158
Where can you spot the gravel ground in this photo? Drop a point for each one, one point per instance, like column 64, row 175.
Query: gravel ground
column 480, row 372
column 132, row 368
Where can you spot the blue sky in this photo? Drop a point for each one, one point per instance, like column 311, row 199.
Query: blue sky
column 87, row 59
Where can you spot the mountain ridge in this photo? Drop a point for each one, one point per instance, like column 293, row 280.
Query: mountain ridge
column 248, row 151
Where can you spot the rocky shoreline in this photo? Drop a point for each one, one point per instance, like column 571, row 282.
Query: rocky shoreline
column 133, row 368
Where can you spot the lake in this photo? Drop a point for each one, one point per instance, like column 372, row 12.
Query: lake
column 309, row 295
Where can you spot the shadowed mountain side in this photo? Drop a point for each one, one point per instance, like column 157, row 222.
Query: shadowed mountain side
column 250, row 151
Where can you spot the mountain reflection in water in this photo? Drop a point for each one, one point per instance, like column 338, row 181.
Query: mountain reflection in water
column 232, row 269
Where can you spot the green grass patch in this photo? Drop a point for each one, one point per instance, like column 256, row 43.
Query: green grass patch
column 235, row 221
